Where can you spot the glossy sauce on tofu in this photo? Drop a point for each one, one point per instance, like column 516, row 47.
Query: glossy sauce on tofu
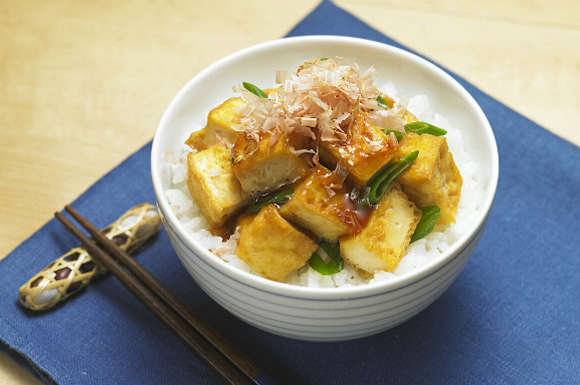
column 364, row 150
column 343, row 201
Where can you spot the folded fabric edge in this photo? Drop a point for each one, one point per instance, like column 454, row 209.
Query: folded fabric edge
column 26, row 362
column 15, row 346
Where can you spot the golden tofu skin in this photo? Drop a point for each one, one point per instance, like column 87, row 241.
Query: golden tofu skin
column 381, row 244
column 364, row 152
column 264, row 163
column 271, row 246
column 433, row 179
column 321, row 204
column 221, row 122
column 213, row 185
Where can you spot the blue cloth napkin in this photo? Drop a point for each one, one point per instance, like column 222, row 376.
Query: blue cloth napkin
column 511, row 317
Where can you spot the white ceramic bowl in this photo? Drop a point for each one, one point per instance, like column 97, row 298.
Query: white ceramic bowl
column 309, row 313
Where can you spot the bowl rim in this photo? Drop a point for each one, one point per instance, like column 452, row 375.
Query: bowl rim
column 295, row 291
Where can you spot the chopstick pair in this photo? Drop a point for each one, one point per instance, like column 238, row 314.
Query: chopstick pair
column 230, row 365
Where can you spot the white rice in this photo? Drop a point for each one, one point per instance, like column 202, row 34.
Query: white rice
column 417, row 254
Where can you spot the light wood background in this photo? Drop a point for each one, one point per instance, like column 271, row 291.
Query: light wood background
column 84, row 84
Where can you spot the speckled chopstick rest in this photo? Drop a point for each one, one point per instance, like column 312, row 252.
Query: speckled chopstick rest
column 76, row 268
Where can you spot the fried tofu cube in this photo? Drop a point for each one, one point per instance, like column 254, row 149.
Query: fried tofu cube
column 220, row 123
column 312, row 206
column 265, row 163
column 365, row 150
column 213, row 185
column 271, row 246
column 381, row 244
column 433, row 178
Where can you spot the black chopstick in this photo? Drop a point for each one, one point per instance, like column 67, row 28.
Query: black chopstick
column 216, row 339
column 209, row 346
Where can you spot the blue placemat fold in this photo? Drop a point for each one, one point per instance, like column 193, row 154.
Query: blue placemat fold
column 511, row 317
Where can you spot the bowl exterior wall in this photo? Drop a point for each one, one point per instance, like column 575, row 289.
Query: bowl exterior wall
column 321, row 319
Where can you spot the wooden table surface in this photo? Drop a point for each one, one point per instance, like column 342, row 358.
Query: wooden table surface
column 84, row 84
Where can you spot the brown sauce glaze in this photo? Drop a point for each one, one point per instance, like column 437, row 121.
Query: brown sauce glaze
column 343, row 201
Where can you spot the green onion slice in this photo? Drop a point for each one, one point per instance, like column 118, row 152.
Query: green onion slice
column 424, row 128
column 255, row 90
column 381, row 181
column 398, row 134
column 324, row 252
column 279, row 197
column 426, row 223
column 382, row 102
